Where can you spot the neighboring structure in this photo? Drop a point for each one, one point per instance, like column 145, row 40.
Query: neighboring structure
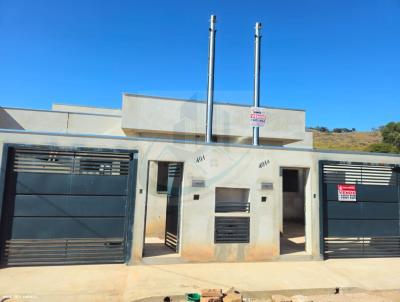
column 95, row 185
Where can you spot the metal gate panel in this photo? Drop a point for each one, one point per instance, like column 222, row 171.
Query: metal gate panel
column 40, row 183
column 364, row 211
column 366, row 247
column 68, row 205
column 368, row 227
column 65, row 207
column 361, row 228
column 358, row 173
column 366, row 193
column 98, row 185
column 174, row 188
column 66, row 227
column 65, row 251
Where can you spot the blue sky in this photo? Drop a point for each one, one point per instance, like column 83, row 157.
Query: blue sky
column 339, row 60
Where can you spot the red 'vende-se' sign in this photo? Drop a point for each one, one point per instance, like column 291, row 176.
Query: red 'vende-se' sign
column 347, row 193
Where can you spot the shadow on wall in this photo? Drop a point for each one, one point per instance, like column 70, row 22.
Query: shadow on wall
column 7, row 121
column 187, row 117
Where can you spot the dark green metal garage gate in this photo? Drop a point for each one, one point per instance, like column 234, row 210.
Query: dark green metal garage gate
column 364, row 223
column 66, row 207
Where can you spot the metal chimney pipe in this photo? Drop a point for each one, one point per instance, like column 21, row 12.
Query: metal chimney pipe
column 257, row 54
column 210, row 86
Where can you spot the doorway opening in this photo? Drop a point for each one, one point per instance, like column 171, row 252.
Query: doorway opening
column 163, row 199
column 292, row 236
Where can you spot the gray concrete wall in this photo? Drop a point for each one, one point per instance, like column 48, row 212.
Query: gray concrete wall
column 162, row 115
column 293, row 206
column 60, row 122
column 231, row 125
column 34, row 120
column 94, row 124
column 221, row 166
column 306, row 143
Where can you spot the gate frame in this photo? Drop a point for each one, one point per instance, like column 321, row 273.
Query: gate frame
column 321, row 163
column 131, row 184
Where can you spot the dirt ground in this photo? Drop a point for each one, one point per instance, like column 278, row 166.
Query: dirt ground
column 382, row 296
column 342, row 295
column 353, row 296
column 317, row 280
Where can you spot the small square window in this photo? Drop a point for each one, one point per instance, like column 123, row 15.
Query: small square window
column 232, row 200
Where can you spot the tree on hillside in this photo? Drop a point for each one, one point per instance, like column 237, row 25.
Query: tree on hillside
column 381, row 148
column 391, row 134
column 343, row 130
column 391, row 139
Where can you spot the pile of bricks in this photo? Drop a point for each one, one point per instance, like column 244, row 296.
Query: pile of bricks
column 216, row 295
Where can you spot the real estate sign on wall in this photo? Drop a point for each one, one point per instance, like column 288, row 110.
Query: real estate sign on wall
column 257, row 117
column 347, row 193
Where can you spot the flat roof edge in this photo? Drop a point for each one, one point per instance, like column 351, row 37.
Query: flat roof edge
column 203, row 101
column 87, row 106
column 58, row 111
column 14, row 131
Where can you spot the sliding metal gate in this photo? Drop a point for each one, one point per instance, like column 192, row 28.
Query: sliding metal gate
column 65, row 207
column 366, row 223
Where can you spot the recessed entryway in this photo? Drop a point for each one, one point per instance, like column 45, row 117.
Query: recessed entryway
column 292, row 235
column 164, row 186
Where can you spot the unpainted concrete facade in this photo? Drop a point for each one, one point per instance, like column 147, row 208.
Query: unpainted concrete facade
column 223, row 165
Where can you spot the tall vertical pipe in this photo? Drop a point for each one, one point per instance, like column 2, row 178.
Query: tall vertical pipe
column 256, row 96
column 210, row 86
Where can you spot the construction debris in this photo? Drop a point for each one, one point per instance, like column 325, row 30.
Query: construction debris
column 233, row 295
column 210, row 299
column 211, row 295
column 216, row 295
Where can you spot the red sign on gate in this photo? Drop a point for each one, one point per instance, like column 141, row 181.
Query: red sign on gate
column 347, row 193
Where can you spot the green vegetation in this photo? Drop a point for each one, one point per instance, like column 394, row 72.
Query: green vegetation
column 384, row 140
column 391, row 139
column 382, row 148
column 335, row 130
